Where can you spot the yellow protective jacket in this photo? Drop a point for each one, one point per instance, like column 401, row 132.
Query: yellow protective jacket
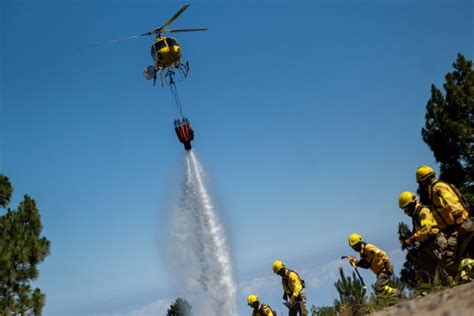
column 374, row 257
column 448, row 209
column 263, row 310
column 424, row 224
column 292, row 284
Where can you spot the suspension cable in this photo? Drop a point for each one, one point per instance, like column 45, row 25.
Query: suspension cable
column 174, row 94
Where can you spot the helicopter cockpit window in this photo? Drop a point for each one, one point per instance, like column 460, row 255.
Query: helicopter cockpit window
column 171, row 42
column 157, row 46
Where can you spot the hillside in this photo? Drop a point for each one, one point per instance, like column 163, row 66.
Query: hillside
column 457, row 301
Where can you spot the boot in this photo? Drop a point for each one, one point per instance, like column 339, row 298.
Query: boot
column 466, row 268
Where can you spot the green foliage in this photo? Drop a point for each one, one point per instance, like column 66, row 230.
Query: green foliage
column 436, row 284
column 180, row 307
column 21, row 249
column 6, row 191
column 449, row 128
column 323, row 311
column 352, row 295
column 408, row 274
column 404, row 232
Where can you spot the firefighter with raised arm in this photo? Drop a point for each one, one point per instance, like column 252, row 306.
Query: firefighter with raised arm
column 293, row 294
column 375, row 259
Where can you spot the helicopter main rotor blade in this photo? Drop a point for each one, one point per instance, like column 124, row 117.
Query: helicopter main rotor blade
column 159, row 29
column 184, row 30
column 118, row 40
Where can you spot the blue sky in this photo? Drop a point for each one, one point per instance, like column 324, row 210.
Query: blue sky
column 307, row 117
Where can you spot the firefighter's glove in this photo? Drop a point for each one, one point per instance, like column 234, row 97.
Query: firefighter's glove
column 353, row 261
column 408, row 242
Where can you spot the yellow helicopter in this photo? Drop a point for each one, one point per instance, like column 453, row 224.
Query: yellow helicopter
column 165, row 51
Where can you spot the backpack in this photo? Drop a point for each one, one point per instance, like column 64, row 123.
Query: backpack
column 301, row 280
column 464, row 202
column 263, row 306
column 462, row 198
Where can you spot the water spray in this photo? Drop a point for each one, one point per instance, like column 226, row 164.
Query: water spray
column 202, row 256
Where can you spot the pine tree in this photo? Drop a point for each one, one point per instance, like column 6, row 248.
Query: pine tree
column 6, row 191
column 180, row 307
column 21, row 249
column 323, row 311
column 352, row 295
column 449, row 127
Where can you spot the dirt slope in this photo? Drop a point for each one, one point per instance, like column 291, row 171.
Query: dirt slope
column 458, row 301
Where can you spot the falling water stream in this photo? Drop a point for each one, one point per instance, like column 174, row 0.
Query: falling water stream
column 201, row 254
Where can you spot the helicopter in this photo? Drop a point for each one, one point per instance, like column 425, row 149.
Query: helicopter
column 165, row 51
column 166, row 54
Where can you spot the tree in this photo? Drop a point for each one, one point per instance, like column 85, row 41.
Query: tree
column 21, row 249
column 449, row 127
column 6, row 191
column 180, row 307
column 352, row 295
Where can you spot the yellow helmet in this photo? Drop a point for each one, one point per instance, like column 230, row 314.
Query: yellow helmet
column 354, row 239
column 423, row 172
column 405, row 199
column 252, row 298
column 277, row 266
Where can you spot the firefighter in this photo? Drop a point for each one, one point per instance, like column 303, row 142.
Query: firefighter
column 426, row 232
column 446, row 201
column 449, row 208
column 375, row 259
column 259, row 309
column 293, row 294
